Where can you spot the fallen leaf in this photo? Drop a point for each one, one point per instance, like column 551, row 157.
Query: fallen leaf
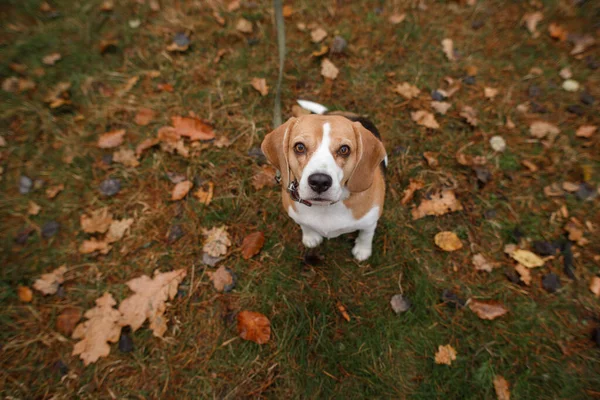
column 93, row 245
column 48, row 283
column 570, row 85
column 424, row 118
column 321, row 52
column 171, row 142
column 131, row 82
column 586, row 131
column 117, row 229
column 595, row 286
column 541, row 129
column 497, row 143
column 205, row 196
column 531, row 20
column 328, row 70
column 342, row 309
column 470, row 115
column 565, row 73
column 481, row 263
column 570, row 187
column 413, row 186
column 509, row 123
column 222, row 279
column 25, row 294
column 145, row 145
column 33, row 208
column 581, row 43
column 67, row 320
column 407, row 90
column 53, row 191
column 395, row 19
column 524, row 274
column 317, row 35
column 97, row 221
column 448, row 48
column 217, row 241
column 490, row 93
column 101, row 327
column 126, row 157
column 192, row 128
column 527, row 258
column 233, row 6
column 58, row 95
column 252, row 244
column 51, row 59
column 530, row 165
column 265, row 177
column 448, row 241
column 554, row 190
column 144, row 116
column 244, row 26
column 149, row 300
column 181, row 190
column 111, row 139
column 441, row 107
column 217, row 16
column 445, row 355
column 431, row 159
column 487, row 309
column 253, row 326
column 260, row 84
column 287, row 11
column 107, row 5
column 439, row 204
column 181, row 41
column 557, row 32
column 501, row 387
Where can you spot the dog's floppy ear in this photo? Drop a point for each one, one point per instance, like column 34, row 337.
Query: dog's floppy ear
column 275, row 145
column 370, row 154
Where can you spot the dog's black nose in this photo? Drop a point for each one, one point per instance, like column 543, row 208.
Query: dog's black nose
column 319, row 182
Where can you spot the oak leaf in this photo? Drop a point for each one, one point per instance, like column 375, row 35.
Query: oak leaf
column 254, row 326
column 424, row 118
column 252, row 244
column 488, row 309
column 222, row 279
column 409, row 192
column 100, row 328
column 445, row 355
column 469, row 114
column 217, row 241
column 111, row 139
column 149, row 300
column 481, row 263
column 49, row 283
column 448, row 241
column 93, row 245
column 126, row 157
column 407, row 90
column 97, row 221
column 441, row 107
column 117, row 229
column 439, row 204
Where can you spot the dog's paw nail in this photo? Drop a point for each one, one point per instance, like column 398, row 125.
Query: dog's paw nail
column 361, row 253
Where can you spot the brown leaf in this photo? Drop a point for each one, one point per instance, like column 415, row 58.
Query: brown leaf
column 217, row 241
column 181, row 190
column 431, row 159
column 441, row 203
column 527, row 258
column 317, row 35
column 530, row 165
column 424, row 118
column 260, row 84
column 481, row 263
column 395, row 19
column 413, row 186
column 171, row 142
column 233, row 6
column 131, row 82
column 53, row 191
column 557, row 32
column 145, row 145
column 554, row 190
column 149, row 300
column 25, row 294
column 487, row 309
column 328, row 70
column 490, row 93
column 541, row 129
column 33, row 208
column 252, row 245
column 221, row 278
column 531, row 20
column 595, row 286
column 111, row 139
column 253, row 326
column 448, row 48
column 581, row 43
column 287, row 11
column 342, row 309
column 470, row 115
column 49, row 283
column 117, row 229
column 101, row 327
column 266, row 177
column 51, row 59
column 67, row 320
column 144, row 116
column 524, row 274
column 205, row 196
column 407, row 90
column 97, row 221
column 93, row 245
column 244, row 26
column 502, row 388
column 126, row 157
column 586, row 131
column 193, row 128
column 441, row 107
column 445, row 355
column 448, row 241
column 570, row 187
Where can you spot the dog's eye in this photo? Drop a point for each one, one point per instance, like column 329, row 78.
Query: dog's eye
column 299, row 148
column 344, row 150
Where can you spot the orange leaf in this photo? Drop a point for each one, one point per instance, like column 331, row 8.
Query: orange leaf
column 181, row 190
column 502, row 388
column 144, row 116
column 254, row 326
column 145, row 145
column 252, row 244
column 440, row 204
column 67, row 320
column 111, row 139
column 193, row 128
column 25, row 294
column 488, row 309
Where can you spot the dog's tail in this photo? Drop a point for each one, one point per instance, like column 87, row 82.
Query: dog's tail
column 312, row 106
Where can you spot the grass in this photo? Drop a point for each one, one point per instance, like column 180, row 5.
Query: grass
column 542, row 346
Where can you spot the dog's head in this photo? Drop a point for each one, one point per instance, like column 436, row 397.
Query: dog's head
column 328, row 155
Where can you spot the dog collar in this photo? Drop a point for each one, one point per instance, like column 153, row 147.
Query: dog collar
column 293, row 189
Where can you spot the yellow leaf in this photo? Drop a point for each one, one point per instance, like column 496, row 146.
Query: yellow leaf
column 527, row 258
column 448, row 241
column 445, row 355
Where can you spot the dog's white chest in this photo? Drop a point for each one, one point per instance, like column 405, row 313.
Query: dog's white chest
column 334, row 220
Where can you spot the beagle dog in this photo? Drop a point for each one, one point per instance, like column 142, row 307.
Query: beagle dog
column 332, row 168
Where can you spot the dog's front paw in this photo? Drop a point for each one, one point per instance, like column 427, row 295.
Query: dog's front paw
column 361, row 251
column 311, row 239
